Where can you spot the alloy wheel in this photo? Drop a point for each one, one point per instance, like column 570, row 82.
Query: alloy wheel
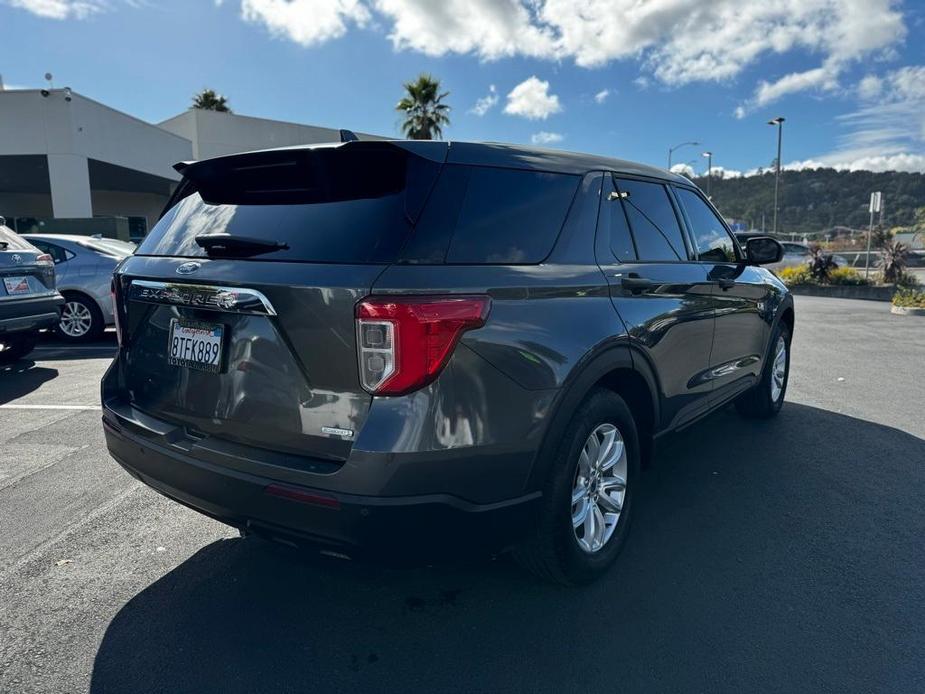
column 779, row 369
column 76, row 319
column 599, row 490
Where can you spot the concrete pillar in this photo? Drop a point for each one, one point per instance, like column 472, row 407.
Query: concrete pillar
column 69, row 179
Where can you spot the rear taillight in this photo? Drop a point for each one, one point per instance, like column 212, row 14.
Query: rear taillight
column 115, row 311
column 44, row 259
column 404, row 342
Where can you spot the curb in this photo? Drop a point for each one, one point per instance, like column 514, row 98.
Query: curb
column 866, row 292
column 907, row 311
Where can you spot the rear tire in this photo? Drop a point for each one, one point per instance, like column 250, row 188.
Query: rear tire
column 566, row 548
column 765, row 399
column 16, row 346
column 81, row 319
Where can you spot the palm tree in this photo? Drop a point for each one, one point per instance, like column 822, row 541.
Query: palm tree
column 425, row 114
column 209, row 100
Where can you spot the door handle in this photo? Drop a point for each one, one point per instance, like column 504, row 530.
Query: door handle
column 636, row 284
column 726, row 283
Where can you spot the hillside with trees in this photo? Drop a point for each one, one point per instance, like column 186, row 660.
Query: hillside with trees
column 820, row 199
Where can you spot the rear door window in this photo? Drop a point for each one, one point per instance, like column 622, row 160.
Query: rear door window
column 613, row 230
column 58, row 254
column 713, row 243
column 653, row 221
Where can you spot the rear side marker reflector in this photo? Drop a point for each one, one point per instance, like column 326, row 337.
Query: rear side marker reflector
column 404, row 342
column 301, row 495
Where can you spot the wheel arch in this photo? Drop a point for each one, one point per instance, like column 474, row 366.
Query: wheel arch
column 621, row 369
column 73, row 291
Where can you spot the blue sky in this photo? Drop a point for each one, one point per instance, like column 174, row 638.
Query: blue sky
column 849, row 75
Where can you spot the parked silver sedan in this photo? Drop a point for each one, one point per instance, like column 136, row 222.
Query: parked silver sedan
column 83, row 266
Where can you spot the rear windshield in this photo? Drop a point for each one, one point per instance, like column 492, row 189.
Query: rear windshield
column 11, row 241
column 327, row 206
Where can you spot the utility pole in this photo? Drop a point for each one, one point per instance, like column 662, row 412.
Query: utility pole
column 876, row 202
column 709, row 156
column 779, row 122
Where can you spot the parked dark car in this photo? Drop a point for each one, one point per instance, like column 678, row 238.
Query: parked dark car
column 427, row 347
column 28, row 300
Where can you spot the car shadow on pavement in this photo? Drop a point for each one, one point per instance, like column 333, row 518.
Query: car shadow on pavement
column 21, row 378
column 52, row 347
column 783, row 555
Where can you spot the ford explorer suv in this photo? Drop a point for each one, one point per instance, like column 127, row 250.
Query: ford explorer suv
column 28, row 300
column 423, row 347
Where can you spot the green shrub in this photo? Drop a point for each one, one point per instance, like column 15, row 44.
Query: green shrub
column 796, row 275
column 910, row 298
column 847, row 276
column 907, row 280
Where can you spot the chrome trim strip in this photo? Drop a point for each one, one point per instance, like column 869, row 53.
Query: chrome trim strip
column 204, row 296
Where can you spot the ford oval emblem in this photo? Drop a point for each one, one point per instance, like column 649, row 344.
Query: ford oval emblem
column 188, row 268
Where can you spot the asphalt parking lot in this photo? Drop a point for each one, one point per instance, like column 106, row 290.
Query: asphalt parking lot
column 765, row 556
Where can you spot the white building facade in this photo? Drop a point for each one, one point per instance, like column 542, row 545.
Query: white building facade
column 68, row 163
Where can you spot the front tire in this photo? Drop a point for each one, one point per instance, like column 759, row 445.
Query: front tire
column 587, row 500
column 16, row 346
column 765, row 399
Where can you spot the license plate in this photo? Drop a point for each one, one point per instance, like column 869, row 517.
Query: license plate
column 195, row 345
column 16, row 285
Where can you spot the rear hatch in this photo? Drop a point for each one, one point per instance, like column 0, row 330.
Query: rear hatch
column 25, row 272
column 250, row 336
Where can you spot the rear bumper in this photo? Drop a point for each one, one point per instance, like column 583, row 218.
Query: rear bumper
column 415, row 526
column 27, row 314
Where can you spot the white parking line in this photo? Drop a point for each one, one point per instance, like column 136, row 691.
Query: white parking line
column 50, row 407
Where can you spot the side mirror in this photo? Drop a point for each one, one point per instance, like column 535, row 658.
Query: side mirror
column 763, row 250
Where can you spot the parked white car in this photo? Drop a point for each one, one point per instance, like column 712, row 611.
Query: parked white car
column 83, row 265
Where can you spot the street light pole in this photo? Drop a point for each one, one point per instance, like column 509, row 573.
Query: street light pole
column 679, row 146
column 779, row 122
column 709, row 156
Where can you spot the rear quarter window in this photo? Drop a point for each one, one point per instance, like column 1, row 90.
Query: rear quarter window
column 484, row 215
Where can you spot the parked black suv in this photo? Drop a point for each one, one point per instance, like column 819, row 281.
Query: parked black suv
column 428, row 345
column 28, row 300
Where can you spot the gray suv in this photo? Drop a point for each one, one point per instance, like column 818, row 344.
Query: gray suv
column 425, row 347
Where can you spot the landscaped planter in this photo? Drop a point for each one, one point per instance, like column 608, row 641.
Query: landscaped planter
column 907, row 311
column 842, row 291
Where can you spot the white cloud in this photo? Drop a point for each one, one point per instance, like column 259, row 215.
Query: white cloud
column 531, row 99
column 545, row 138
column 870, row 87
column 904, row 161
column 739, row 112
column 684, row 170
column 484, row 104
column 642, row 82
column 824, row 78
column 723, row 172
column 601, row 96
column 676, row 41
column 490, row 29
column 60, row 9
column 306, row 22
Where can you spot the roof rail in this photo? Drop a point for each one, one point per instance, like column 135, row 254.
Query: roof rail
column 348, row 136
